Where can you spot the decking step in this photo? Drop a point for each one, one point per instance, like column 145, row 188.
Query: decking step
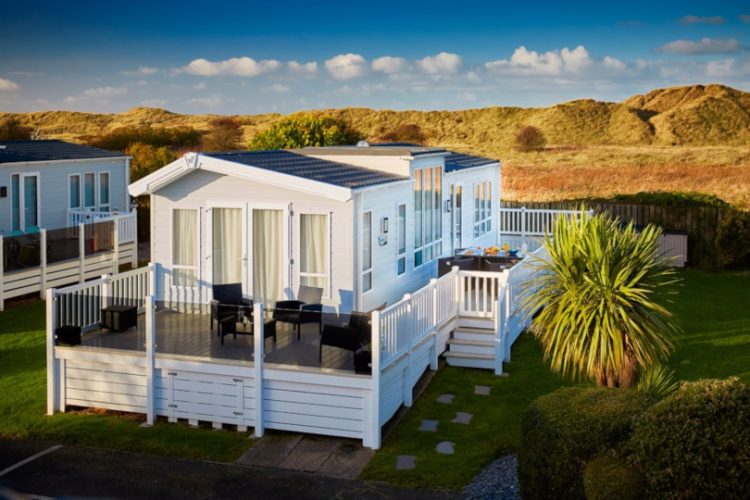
column 470, row 360
column 479, row 334
column 470, row 322
column 481, row 347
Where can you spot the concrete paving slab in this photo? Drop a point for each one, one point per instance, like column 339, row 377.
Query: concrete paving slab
column 270, row 450
column 429, row 426
column 310, row 454
column 482, row 390
column 462, row 418
column 445, row 447
column 405, row 462
column 347, row 460
column 446, row 398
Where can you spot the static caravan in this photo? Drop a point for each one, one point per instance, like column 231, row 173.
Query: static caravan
column 365, row 223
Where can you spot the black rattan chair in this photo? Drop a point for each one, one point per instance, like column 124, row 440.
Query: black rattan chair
column 351, row 336
column 306, row 309
column 228, row 301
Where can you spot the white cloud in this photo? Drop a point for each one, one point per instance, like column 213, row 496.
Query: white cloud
column 141, row 71
column 613, row 63
column 200, row 86
column 443, row 63
column 703, row 20
column 467, row 96
column 153, row 103
column 235, row 66
column 279, row 88
column 389, row 65
column 302, row 69
column 724, row 67
column 346, row 66
column 209, row 102
column 8, row 85
column 701, row 47
column 102, row 92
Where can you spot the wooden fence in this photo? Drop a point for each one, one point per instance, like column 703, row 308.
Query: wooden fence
column 700, row 223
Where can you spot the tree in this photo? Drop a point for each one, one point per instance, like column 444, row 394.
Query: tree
column 305, row 130
column 12, row 130
column 122, row 138
column 596, row 293
column 405, row 132
column 148, row 159
column 225, row 135
column 530, row 138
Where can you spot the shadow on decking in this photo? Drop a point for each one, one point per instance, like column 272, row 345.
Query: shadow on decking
column 192, row 335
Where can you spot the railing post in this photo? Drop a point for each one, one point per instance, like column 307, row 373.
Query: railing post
column 153, row 270
column 42, row 262
column 134, row 224
column 259, row 344
column 506, row 321
column 434, row 353
column 499, row 331
column 52, row 373
column 2, row 274
column 116, row 244
column 523, row 224
column 81, row 252
column 374, row 429
column 150, row 358
column 106, row 291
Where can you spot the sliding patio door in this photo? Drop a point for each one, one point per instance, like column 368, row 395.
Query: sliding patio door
column 268, row 255
column 227, row 246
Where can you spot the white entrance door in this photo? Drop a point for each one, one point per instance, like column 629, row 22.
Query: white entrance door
column 228, row 250
column 269, row 255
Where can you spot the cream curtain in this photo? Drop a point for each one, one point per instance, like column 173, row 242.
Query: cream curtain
column 267, row 256
column 184, row 246
column 227, row 245
column 313, row 250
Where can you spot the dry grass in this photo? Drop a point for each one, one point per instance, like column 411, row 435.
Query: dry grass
column 603, row 171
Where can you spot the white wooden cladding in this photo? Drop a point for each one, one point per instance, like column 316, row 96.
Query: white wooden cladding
column 80, row 305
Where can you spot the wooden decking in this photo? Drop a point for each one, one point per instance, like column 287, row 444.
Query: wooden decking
column 191, row 335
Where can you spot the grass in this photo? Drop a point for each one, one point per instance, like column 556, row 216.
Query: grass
column 23, row 393
column 714, row 310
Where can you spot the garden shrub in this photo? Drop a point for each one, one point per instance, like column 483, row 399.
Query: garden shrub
column 733, row 240
column 696, row 442
column 562, row 431
column 607, row 476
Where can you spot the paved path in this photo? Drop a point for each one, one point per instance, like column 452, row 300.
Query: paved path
column 75, row 471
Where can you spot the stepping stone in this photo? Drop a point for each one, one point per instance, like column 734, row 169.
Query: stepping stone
column 405, row 462
column 445, row 447
column 462, row 418
column 445, row 398
column 429, row 426
column 482, row 390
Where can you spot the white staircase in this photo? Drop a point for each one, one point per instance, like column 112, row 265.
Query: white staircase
column 472, row 344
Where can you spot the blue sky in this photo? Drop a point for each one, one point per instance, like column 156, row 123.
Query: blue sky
column 258, row 57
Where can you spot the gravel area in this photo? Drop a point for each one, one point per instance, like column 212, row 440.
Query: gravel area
column 499, row 480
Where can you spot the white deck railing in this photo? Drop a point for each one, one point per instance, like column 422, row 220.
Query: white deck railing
column 127, row 225
column 478, row 292
column 530, row 221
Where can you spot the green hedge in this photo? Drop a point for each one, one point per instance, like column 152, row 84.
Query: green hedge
column 733, row 240
column 562, row 431
column 607, row 477
column 696, row 442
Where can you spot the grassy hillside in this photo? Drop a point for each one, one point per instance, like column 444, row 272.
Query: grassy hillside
column 681, row 138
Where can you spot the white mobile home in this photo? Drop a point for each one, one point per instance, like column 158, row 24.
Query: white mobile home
column 364, row 223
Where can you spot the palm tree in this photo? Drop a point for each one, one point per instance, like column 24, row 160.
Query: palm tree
column 596, row 297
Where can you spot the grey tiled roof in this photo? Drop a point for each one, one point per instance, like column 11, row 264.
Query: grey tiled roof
column 49, row 150
column 459, row 161
column 307, row 167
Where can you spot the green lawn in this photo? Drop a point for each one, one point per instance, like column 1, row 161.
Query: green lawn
column 23, row 404
column 714, row 310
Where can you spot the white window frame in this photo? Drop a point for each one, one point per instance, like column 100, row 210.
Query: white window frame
column 366, row 271
column 401, row 255
column 433, row 248
column 83, row 192
column 80, row 191
column 482, row 208
column 197, row 267
column 22, row 202
column 101, row 207
column 329, row 244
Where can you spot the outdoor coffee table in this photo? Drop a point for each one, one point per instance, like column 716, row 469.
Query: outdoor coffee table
column 119, row 318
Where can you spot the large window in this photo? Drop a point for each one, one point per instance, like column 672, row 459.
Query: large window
column 184, row 247
column 25, row 202
column 74, row 191
column 482, row 208
column 366, row 251
column 428, row 216
column 89, row 191
column 401, row 253
column 104, row 191
column 314, row 251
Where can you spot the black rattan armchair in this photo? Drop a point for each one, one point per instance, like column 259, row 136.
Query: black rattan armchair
column 306, row 309
column 350, row 336
column 228, row 301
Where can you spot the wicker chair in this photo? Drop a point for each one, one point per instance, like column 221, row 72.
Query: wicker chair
column 306, row 309
column 228, row 301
